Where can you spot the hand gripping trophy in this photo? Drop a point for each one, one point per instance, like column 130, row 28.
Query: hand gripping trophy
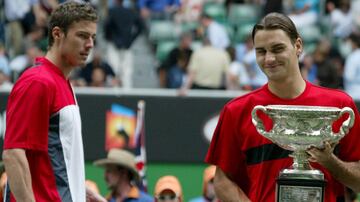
column 297, row 128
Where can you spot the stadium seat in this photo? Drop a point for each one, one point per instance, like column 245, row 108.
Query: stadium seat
column 215, row 10
column 163, row 48
column 243, row 14
column 162, row 30
column 310, row 33
column 242, row 32
column 189, row 27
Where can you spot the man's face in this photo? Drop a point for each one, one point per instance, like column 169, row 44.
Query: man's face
column 276, row 55
column 76, row 45
column 210, row 190
column 112, row 176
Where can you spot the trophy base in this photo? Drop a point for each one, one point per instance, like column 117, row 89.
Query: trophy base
column 300, row 186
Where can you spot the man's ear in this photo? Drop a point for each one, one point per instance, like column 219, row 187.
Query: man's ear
column 299, row 46
column 57, row 33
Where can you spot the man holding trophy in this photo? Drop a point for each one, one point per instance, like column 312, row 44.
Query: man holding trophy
column 289, row 140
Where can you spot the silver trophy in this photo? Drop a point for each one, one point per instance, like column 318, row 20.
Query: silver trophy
column 297, row 128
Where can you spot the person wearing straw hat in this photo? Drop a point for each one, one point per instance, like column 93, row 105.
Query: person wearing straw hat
column 168, row 189
column 121, row 177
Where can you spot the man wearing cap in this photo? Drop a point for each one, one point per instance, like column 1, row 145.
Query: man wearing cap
column 168, row 189
column 121, row 176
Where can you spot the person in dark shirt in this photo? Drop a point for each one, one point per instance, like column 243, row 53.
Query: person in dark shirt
column 98, row 62
column 122, row 27
column 176, row 63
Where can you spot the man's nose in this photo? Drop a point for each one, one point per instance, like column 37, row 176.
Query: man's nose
column 90, row 43
column 269, row 57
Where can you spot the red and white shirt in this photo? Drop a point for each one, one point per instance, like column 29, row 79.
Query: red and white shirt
column 43, row 118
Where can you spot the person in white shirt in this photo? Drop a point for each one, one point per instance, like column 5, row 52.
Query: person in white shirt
column 215, row 32
column 352, row 68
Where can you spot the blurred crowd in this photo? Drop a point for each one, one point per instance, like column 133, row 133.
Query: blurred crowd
column 198, row 44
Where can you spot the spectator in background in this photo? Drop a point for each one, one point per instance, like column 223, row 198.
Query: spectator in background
column 245, row 54
column 21, row 16
column 4, row 81
column 355, row 10
column 352, row 68
column 304, row 12
column 207, row 69
column 97, row 62
column 174, row 68
column 34, row 38
column 215, row 32
column 273, row 6
column 98, row 78
column 168, row 189
column 158, row 9
column 22, row 62
column 209, row 194
column 238, row 77
column 189, row 11
column 121, row 177
column 122, row 26
column 309, row 69
column 341, row 18
column 328, row 69
column 3, row 181
column 4, row 62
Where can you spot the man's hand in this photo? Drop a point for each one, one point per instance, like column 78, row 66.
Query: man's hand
column 348, row 173
column 322, row 155
column 93, row 197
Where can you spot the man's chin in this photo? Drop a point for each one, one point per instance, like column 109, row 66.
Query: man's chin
column 80, row 64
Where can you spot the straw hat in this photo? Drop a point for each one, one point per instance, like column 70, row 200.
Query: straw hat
column 121, row 158
column 168, row 182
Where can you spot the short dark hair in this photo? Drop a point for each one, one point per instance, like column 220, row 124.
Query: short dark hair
column 355, row 38
column 67, row 13
column 274, row 21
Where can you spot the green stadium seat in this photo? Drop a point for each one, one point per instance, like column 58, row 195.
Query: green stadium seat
column 215, row 10
column 242, row 32
column 243, row 14
column 189, row 26
column 310, row 33
column 162, row 30
column 163, row 49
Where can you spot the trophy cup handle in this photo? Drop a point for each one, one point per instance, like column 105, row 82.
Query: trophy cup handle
column 347, row 124
column 258, row 123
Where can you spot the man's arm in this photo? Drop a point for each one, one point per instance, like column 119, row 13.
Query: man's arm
column 17, row 169
column 348, row 173
column 188, row 83
column 227, row 190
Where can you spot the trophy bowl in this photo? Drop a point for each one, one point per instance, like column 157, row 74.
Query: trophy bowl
column 297, row 128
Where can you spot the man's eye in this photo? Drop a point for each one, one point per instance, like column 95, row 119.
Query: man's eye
column 83, row 36
column 278, row 50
